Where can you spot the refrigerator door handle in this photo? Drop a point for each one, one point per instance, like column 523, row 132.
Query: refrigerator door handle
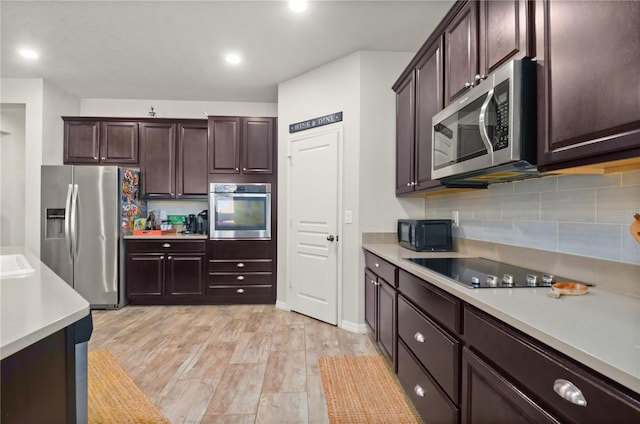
column 74, row 222
column 67, row 220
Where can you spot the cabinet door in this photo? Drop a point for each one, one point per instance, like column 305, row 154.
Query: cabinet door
column 158, row 159
column 224, row 145
column 387, row 304
column 81, row 142
column 145, row 274
column 461, row 46
column 257, row 145
column 488, row 397
column 429, row 101
column 405, row 115
column 192, row 168
column 185, row 274
column 119, row 142
column 504, row 33
column 371, row 302
column 588, row 82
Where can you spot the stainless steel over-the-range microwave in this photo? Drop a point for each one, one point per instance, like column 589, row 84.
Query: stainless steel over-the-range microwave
column 489, row 133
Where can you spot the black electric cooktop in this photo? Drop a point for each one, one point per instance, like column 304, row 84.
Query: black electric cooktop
column 485, row 273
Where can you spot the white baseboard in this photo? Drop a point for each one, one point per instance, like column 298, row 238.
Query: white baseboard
column 282, row 305
column 354, row 327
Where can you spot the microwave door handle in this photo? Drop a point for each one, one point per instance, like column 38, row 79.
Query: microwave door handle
column 484, row 135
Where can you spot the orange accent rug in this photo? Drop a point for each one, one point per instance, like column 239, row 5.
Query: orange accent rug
column 362, row 389
column 113, row 395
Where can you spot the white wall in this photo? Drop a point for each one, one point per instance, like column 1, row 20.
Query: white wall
column 30, row 93
column 12, row 193
column 359, row 85
column 173, row 108
column 56, row 104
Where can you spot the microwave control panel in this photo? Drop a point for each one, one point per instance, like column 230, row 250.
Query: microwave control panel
column 501, row 99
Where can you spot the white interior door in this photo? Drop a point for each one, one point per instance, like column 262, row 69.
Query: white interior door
column 314, row 208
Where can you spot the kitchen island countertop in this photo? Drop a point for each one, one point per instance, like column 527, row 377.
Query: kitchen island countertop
column 35, row 306
column 600, row 329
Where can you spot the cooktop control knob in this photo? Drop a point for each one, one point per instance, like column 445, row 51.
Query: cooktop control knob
column 475, row 282
column 508, row 280
column 532, row 280
column 548, row 279
column 492, row 281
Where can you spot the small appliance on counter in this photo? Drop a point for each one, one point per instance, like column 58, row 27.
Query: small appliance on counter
column 191, row 225
column 203, row 222
column 426, row 235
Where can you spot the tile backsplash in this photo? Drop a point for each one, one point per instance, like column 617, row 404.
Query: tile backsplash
column 585, row 215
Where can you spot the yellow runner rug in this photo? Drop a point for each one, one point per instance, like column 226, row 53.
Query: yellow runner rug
column 362, row 389
column 113, row 395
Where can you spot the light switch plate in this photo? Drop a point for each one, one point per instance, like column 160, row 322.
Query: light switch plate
column 348, row 217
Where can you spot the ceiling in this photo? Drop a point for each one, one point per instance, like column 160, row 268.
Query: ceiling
column 174, row 50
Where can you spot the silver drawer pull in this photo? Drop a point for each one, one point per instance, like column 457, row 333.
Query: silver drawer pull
column 419, row 337
column 377, row 265
column 418, row 390
column 240, row 265
column 240, row 290
column 240, row 277
column 373, row 282
column 166, row 245
column 569, row 392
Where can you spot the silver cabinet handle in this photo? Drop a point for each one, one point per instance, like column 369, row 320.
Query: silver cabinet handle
column 419, row 337
column 240, row 265
column 237, row 169
column 169, row 257
column 418, row 390
column 409, row 184
column 377, row 265
column 166, row 245
column 244, row 169
column 240, row 277
column 569, row 392
column 468, row 84
column 240, row 290
column 373, row 282
column 103, row 158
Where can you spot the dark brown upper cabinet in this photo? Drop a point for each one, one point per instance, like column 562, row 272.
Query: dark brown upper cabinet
column 95, row 141
column 405, row 137
column 241, row 145
column 158, row 159
column 506, row 33
column 192, row 166
column 461, row 51
column 588, row 104
column 173, row 159
column 224, row 145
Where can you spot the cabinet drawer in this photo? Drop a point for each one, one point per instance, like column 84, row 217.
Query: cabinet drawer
column 438, row 305
column 432, row 404
column 165, row 245
column 240, row 249
column 536, row 368
column 228, row 279
column 382, row 268
column 240, row 293
column 241, row 265
column 438, row 352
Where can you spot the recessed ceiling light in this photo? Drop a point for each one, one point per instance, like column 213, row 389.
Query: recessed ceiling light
column 28, row 54
column 298, row 6
column 233, row 58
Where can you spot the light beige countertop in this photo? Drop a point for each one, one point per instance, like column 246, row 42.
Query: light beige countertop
column 600, row 329
column 35, row 305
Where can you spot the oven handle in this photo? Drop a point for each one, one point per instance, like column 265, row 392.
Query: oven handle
column 484, row 135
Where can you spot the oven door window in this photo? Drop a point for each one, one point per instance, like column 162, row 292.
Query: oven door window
column 241, row 212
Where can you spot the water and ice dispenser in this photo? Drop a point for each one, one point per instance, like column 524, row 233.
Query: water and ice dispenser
column 55, row 223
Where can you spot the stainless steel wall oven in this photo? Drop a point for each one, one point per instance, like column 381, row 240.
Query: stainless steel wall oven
column 240, row 211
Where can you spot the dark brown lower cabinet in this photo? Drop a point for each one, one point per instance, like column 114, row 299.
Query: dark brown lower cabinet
column 165, row 271
column 488, row 397
column 241, row 271
column 427, row 397
column 387, row 305
column 38, row 382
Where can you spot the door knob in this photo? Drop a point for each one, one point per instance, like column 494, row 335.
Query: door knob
column 330, row 237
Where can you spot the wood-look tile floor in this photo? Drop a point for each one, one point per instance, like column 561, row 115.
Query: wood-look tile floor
column 226, row 364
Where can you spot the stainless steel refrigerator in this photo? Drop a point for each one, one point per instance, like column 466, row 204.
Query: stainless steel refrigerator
column 86, row 211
